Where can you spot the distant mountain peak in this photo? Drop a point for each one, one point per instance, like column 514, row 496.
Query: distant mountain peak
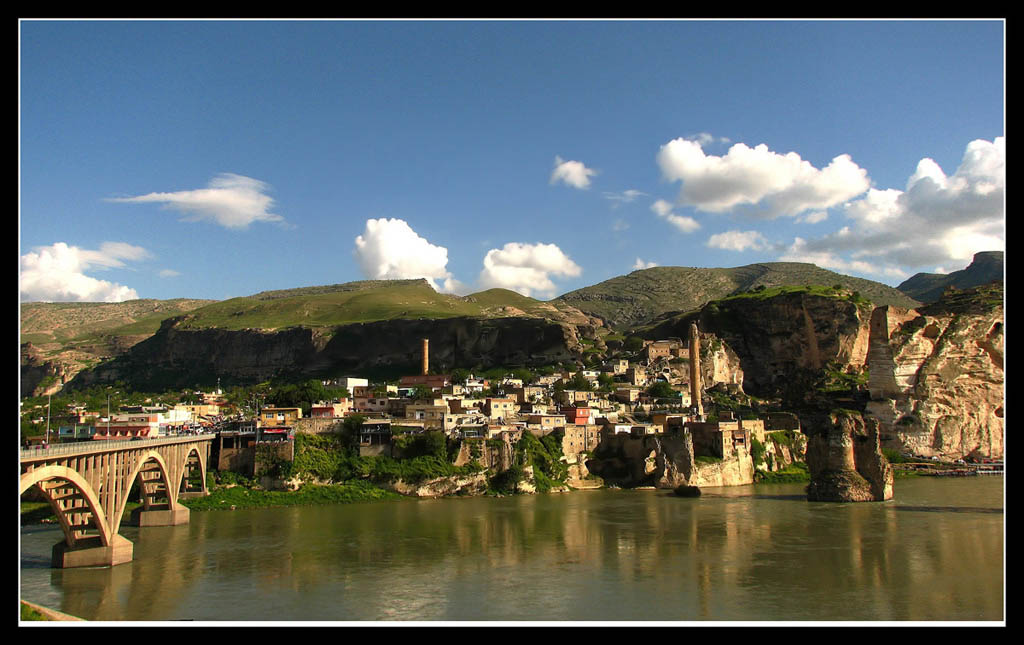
column 985, row 267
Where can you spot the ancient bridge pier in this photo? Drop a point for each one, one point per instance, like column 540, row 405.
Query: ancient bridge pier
column 88, row 486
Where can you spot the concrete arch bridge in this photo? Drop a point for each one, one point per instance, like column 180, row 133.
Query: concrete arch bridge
column 88, row 486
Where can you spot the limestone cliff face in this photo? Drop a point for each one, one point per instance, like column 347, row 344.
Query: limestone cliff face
column 178, row 356
column 664, row 462
column 936, row 378
column 775, row 337
column 845, row 460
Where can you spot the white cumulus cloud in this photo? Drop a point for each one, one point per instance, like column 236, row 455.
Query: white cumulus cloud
column 777, row 184
column 641, row 264
column 230, row 200
column 526, row 268
column 56, row 273
column 685, row 224
column 572, row 173
column 738, row 241
column 938, row 220
column 389, row 249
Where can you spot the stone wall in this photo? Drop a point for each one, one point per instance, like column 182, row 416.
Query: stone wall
column 318, row 425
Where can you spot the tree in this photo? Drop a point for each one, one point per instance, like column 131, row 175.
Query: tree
column 662, row 390
column 421, row 392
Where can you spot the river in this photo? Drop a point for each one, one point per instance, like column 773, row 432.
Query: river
column 747, row 553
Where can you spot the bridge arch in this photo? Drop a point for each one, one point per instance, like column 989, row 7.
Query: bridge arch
column 165, row 479
column 55, row 473
column 193, row 459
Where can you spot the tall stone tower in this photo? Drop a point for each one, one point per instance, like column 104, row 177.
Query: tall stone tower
column 695, row 385
column 426, row 355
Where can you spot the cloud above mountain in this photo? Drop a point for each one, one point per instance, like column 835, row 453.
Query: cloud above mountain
column 57, row 273
column 527, row 268
column 389, row 249
column 937, row 220
column 771, row 184
column 229, row 200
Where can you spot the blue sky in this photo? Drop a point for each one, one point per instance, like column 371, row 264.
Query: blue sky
column 216, row 159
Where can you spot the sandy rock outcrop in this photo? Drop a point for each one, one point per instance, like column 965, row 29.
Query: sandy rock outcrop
column 475, row 484
column 845, row 460
column 664, row 461
column 936, row 377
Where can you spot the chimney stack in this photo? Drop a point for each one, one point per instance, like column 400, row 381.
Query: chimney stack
column 426, row 355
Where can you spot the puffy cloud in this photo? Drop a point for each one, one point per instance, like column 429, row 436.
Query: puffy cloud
column 389, row 249
column 738, row 241
column 685, row 224
column 937, row 220
column 230, row 200
column 777, row 184
column 526, row 268
column 640, row 264
column 572, row 173
column 56, row 273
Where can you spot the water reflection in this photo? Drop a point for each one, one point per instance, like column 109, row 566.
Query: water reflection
column 598, row 555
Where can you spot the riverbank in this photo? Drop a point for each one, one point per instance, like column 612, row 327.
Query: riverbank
column 32, row 612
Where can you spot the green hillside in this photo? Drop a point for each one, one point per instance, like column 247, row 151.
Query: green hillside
column 630, row 300
column 329, row 306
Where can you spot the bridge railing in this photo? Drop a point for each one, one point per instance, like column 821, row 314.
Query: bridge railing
column 86, row 447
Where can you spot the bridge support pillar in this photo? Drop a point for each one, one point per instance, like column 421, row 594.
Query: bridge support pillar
column 161, row 517
column 91, row 553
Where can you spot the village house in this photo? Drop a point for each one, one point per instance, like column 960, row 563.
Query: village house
column 279, row 416
column 527, row 394
column 545, row 423
column 348, row 382
column 371, row 404
column 332, row 409
column 495, row 408
column 579, row 414
column 570, row 397
column 375, row 437
column 433, row 381
column 433, row 416
column 534, row 408
column 659, row 349
column 579, row 439
column 637, row 376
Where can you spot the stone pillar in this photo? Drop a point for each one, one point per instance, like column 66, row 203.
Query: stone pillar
column 173, row 516
column 91, row 553
column 426, row 355
column 695, row 385
column 845, row 461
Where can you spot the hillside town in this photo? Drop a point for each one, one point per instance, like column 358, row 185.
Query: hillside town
column 658, row 392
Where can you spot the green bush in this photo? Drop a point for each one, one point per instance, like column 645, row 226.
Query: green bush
column 757, row 451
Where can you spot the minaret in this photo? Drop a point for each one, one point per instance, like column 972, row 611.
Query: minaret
column 695, row 370
column 426, row 358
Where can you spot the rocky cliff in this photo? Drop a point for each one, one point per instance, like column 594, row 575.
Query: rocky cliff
column 178, row 356
column 780, row 335
column 845, row 460
column 936, row 375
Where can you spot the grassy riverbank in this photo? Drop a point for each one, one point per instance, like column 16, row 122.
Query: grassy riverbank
column 242, row 497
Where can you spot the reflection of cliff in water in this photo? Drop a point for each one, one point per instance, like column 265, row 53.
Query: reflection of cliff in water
column 736, row 553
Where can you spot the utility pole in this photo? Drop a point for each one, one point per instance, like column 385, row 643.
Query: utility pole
column 48, row 419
